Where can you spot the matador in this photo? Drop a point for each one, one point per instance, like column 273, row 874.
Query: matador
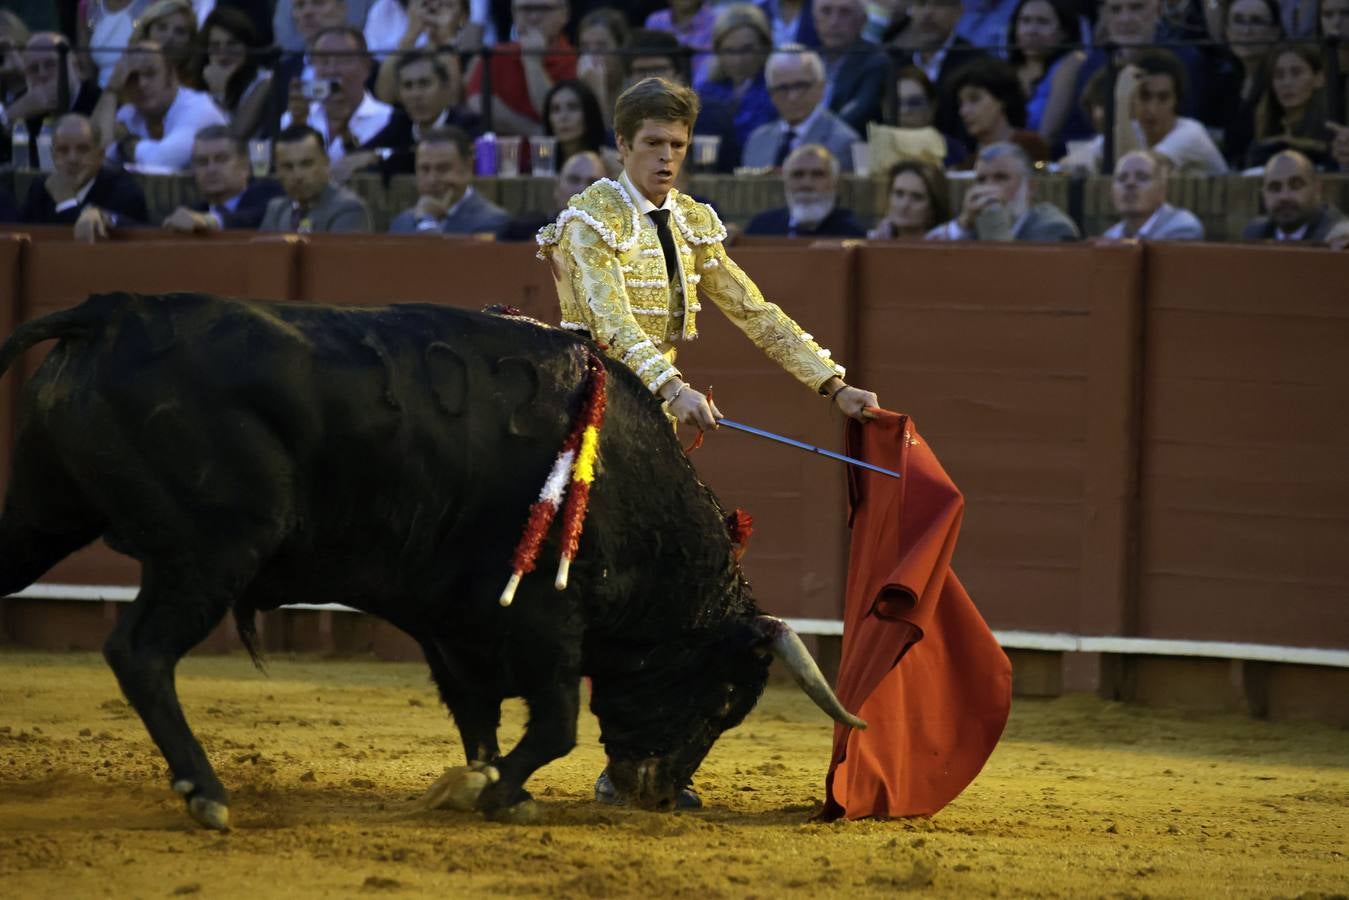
column 632, row 258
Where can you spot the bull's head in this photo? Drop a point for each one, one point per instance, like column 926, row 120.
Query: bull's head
column 660, row 717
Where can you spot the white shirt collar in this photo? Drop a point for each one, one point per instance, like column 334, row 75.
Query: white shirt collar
column 468, row 192
column 417, row 130
column 366, row 121
column 932, row 68
column 639, row 200
column 77, row 200
column 1151, row 223
column 1281, row 235
column 800, row 128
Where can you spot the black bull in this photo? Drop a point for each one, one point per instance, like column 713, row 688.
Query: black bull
column 250, row 454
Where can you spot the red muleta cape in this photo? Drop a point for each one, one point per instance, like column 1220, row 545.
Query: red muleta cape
column 934, row 720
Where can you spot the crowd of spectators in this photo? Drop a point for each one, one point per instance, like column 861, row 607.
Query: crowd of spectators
column 924, row 92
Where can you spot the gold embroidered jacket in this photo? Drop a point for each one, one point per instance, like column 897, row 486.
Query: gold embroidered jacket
column 612, row 281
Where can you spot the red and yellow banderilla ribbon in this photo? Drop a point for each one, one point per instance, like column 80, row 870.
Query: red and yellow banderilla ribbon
column 575, row 463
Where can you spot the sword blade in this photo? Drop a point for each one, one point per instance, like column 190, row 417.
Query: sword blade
column 802, row 445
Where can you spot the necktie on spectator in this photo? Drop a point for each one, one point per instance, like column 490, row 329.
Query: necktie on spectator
column 662, row 219
column 784, row 148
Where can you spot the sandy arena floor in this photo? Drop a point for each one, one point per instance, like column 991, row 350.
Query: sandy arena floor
column 325, row 761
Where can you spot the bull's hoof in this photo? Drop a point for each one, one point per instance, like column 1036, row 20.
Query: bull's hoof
column 460, row 787
column 211, row 813
column 526, row 812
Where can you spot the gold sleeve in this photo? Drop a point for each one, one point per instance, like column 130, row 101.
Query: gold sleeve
column 772, row 330
column 597, row 283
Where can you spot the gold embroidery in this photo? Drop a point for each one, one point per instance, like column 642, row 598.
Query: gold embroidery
column 612, row 278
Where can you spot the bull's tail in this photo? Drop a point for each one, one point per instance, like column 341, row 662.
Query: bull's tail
column 245, row 622
column 66, row 323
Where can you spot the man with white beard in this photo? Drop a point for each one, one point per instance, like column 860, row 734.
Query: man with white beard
column 998, row 207
column 810, row 179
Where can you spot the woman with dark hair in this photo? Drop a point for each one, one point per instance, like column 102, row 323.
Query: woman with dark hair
column 1044, row 53
column 601, row 35
column 916, row 107
column 1250, row 28
column 571, row 114
column 234, row 73
column 920, row 200
column 993, row 108
column 1292, row 113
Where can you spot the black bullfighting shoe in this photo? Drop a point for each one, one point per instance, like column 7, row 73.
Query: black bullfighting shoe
column 605, row 792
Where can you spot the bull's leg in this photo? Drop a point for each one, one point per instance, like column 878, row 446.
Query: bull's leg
column 476, row 710
column 550, row 734
column 177, row 607
column 477, row 714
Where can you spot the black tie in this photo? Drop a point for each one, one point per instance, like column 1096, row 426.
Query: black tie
column 784, row 148
column 662, row 219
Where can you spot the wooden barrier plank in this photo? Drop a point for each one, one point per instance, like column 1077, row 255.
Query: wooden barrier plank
column 462, row 272
column 58, row 275
column 1244, row 497
column 1109, row 517
column 797, row 558
column 991, row 347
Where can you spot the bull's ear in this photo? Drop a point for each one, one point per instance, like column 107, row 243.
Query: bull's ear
column 517, row 383
column 449, row 377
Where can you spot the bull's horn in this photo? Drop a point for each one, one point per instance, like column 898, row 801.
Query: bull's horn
column 787, row 646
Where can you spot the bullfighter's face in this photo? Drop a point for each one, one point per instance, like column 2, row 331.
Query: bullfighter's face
column 653, row 157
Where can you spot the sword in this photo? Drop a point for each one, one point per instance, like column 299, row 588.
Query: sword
column 801, row 445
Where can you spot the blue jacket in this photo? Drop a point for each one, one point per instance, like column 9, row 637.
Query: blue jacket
column 755, row 107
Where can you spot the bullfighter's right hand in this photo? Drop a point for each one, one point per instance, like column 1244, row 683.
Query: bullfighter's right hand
column 689, row 406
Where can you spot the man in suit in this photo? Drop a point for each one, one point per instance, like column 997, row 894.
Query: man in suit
column 1139, row 193
column 928, row 40
column 312, row 203
column 230, row 197
column 82, row 190
column 857, row 69
column 426, row 101
column 1291, row 192
column 796, row 82
column 446, row 201
column 41, row 73
column 810, row 177
column 998, row 206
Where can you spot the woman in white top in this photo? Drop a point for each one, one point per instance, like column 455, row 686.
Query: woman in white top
column 172, row 24
column 106, row 29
